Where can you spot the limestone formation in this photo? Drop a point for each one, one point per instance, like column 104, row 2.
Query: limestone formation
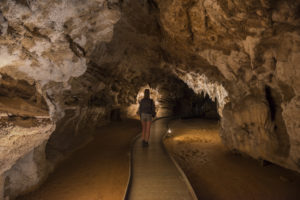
column 252, row 49
column 67, row 65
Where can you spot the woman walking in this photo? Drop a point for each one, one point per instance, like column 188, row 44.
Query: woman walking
column 146, row 112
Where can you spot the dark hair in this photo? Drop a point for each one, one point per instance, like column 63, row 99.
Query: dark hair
column 147, row 94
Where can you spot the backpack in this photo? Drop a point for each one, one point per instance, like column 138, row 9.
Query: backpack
column 147, row 106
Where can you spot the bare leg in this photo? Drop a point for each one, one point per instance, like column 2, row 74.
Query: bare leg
column 148, row 126
column 143, row 130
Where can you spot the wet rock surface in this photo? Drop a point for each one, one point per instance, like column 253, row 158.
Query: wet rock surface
column 74, row 63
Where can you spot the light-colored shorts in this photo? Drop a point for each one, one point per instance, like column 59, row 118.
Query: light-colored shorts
column 146, row 117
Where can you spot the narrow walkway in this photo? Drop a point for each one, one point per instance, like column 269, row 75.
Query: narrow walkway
column 154, row 175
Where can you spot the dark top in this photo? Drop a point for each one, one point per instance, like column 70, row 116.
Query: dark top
column 147, row 106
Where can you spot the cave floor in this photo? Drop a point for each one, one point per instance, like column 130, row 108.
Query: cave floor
column 154, row 175
column 216, row 173
column 100, row 170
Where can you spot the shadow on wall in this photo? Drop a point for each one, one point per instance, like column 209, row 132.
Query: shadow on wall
column 115, row 114
column 280, row 132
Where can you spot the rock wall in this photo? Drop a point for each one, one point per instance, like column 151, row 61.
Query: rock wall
column 45, row 47
column 252, row 49
column 27, row 173
column 25, row 125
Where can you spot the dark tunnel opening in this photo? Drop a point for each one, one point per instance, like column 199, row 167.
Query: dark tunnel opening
column 201, row 106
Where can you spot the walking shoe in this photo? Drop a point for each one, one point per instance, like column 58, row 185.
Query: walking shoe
column 145, row 144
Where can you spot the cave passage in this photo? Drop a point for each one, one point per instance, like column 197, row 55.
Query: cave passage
column 225, row 72
column 210, row 171
column 101, row 168
column 154, row 175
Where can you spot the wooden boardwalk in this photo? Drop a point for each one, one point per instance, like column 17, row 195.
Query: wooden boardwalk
column 154, row 175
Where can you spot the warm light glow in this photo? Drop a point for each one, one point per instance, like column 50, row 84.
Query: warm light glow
column 169, row 131
column 154, row 94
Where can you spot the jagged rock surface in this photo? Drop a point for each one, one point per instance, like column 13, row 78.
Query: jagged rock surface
column 44, row 48
column 66, row 63
column 253, row 48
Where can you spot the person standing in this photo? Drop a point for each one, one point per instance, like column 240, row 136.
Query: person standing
column 146, row 112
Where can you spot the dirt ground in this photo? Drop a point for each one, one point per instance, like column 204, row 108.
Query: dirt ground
column 216, row 173
column 98, row 171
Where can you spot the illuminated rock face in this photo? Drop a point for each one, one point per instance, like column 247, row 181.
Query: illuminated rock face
column 252, row 49
column 44, row 48
column 66, row 65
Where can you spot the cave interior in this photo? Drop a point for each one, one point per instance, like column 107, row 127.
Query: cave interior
column 69, row 67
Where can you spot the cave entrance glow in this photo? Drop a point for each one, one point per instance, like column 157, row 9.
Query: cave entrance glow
column 154, row 94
